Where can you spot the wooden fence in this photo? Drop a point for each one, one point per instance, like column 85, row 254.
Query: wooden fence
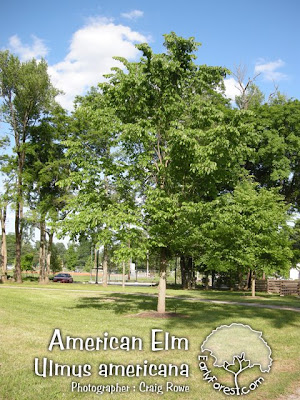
column 282, row 287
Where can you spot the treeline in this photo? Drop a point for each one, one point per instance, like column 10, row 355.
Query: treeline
column 155, row 161
column 70, row 257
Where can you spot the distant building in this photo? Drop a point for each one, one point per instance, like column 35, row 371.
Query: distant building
column 295, row 272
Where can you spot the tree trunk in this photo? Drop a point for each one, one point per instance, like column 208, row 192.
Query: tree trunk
column 19, row 217
column 48, row 260
column 161, row 304
column 240, row 282
column 129, row 263
column 18, row 234
column 105, row 267
column 190, row 274
column 206, row 281
column 123, row 274
column 253, row 284
column 3, row 245
column 42, row 257
column 95, row 264
column 147, row 263
column 187, row 273
column 213, row 275
column 249, row 279
column 183, row 269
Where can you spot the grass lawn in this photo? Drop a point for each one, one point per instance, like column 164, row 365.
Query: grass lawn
column 28, row 317
column 226, row 295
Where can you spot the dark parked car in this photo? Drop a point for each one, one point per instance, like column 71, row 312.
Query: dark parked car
column 63, row 278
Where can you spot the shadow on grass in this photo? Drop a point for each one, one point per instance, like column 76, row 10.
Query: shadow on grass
column 206, row 313
column 30, row 278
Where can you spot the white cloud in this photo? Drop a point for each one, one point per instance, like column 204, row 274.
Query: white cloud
column 27, row 52
column 268, row 70
column 231, row 88
column 90, row 56
column 134, row 14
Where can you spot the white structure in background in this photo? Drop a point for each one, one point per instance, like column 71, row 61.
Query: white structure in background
column 295, row 272
column 132, row 268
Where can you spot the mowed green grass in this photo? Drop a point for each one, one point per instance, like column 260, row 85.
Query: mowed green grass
column 28, row 318
column 200, row 293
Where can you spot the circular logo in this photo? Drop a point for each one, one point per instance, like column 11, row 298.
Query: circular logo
column 236, row 349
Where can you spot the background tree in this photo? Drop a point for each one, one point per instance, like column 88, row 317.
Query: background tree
column 250, row 95
column 295, row 239
column 45, row 165
column 27, row 94
column 60, row 249
column 27, row 261
column 56, row 261
column 275, row 162
column 4, row 201
column 247, row 229
column 71, row 257
column 101, row 204
column 6, row 198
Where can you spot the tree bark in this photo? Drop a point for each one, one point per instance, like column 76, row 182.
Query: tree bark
column 147, row 264
column 3, row 245
column 249, row 278
column 161, row 304
column 18, row 234
column 42, row 257
column 190, row 274
column 187, row 273
column 105, row 267
column 206, row 281
column 95, row 262
column 19, row 215
column 129, row 262
column 240, row 283
column 48, row 259
column 253, row 284
column 183, row 272
column 123, row 274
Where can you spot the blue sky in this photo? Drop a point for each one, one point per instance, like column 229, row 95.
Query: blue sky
column 79, row 38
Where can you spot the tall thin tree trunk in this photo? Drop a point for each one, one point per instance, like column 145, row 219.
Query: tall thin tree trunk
column 240, row 283
column 183, row 272
column 48, row 260
column 162, row 287
column 253, row 284
column 249, row 279
column 3, row 245
column 129, row 262
column 206, row 280
column 123, row 274
column 147, row 263
column 95, row 263
column 105, row 267
column 190, row 274
column 213, row 275
column 18, row 234
column 42, row 258
column 19, row 217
